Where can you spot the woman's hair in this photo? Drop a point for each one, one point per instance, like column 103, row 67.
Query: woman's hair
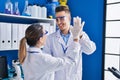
column 32, row 35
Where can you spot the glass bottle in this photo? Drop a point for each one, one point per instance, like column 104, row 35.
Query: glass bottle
column 16, row 10
column 8, row 7
column 25, row 11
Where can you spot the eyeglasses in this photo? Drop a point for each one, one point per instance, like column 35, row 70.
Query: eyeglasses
column 61, row 18
column 46, row 32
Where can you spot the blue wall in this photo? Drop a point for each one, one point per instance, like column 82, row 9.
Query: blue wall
column 91, row 11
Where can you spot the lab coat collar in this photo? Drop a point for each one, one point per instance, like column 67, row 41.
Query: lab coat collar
column 34, row 49
column 61, row 41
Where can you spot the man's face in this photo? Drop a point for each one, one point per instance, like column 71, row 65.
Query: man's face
column 63, row 20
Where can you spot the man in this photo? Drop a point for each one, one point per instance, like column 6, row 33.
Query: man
column 59, row 41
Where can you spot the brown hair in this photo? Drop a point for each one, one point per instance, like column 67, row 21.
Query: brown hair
column 62, row 8
column 32, row 35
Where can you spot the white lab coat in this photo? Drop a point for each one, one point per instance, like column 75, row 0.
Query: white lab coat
column 41, row 66
column 53, row 46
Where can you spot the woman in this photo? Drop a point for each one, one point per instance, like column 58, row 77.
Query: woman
column 38, row 65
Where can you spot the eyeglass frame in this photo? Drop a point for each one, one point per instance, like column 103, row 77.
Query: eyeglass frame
column 61, row 18
column 46, row 32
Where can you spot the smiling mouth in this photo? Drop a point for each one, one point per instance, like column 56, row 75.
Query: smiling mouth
column 61, row 25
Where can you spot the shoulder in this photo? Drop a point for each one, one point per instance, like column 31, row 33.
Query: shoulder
column 53, row 35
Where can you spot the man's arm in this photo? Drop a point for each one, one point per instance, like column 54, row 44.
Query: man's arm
column 87, row 46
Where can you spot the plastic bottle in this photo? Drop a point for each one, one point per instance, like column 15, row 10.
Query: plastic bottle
column 34, row 11
column 44, row 12
column 16, row 10
column 39, row 11
column 29, row 9
column 8, row 7
column 51, row 8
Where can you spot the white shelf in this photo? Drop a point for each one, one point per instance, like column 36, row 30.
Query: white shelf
column 7, row 18
column 8, row 49
column 24, row 19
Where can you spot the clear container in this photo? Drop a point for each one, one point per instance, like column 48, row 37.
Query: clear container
column 8, row 7
column 16, row 10
column 25, row 11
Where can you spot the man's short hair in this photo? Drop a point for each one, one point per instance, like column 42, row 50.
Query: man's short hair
column 62, row 8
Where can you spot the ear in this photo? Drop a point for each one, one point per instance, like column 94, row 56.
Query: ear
column 40, row 39
column 70, row 17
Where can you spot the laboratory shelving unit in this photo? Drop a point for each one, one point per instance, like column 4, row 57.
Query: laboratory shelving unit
column 112, row 38
column 24, row 19
column 8, row 18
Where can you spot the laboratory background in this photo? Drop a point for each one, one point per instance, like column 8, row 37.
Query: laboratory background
column 102, row 20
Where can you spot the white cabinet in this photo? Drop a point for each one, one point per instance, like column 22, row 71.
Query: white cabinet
column 17, row 26
column 112, row 38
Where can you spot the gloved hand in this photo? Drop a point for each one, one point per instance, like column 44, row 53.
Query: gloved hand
column 81, row 25
column 77, row 27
